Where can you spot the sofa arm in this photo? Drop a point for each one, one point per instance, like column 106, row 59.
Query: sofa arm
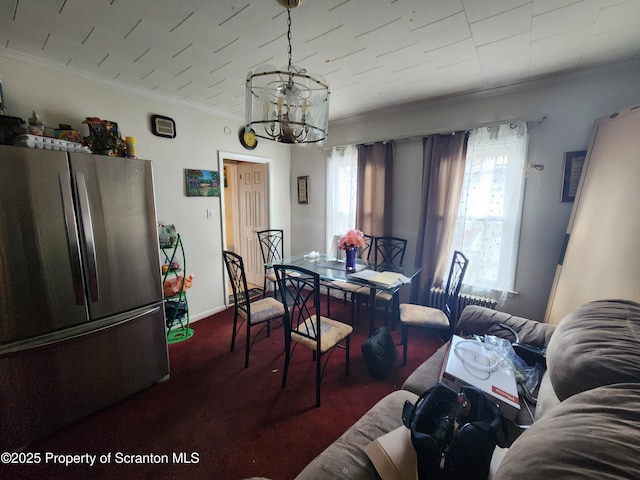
column 482, row 320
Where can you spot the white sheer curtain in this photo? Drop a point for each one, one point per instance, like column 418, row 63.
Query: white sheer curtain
column 342, row 184
column 488, row 225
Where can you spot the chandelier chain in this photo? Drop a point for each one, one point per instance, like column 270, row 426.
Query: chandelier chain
column 289, row 31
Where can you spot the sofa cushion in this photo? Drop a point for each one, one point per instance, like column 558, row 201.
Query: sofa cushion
column 596, row 344
column 592, row 435
column 547, row 399
column 427, row 374
column 480, row 320
column 346, row 458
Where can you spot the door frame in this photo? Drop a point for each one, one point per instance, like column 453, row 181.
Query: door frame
column 242, row 157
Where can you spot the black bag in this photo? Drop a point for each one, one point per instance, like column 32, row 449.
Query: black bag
column 454, row 434
column 380, row 353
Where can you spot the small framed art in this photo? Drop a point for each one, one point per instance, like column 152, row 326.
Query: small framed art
column 201, row 183
column 303, row 189
column 573, row 162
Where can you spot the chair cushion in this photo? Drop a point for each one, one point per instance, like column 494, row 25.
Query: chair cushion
column 332, row 332
column 596, row 344
column 384, row 296
column 271, row 275
column 593, row 435
column 422, row 316
column 346, row 286
column 264, row 309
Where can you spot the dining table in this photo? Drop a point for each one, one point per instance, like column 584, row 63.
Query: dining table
column 375, row 277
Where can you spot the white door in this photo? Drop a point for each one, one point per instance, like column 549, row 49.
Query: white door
column 253, row 211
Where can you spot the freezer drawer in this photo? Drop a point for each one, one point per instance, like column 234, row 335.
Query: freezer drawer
column 46, row 388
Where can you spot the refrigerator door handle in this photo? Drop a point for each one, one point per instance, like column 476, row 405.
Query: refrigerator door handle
column 89, row 239
column 72, row 237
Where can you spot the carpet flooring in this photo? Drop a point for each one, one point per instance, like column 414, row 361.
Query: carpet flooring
column 214, row 419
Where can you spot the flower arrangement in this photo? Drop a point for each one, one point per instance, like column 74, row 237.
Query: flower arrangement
column 351, row 240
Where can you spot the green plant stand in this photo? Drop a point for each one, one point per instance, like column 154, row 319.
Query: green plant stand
column 176, row 306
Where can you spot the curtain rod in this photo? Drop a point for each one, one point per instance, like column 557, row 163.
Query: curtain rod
column 417, row 136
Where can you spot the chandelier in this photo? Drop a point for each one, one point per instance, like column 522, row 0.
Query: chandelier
column 287, row 105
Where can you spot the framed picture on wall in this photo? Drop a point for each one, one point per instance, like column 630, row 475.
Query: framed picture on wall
column 573, row 162
column 303, row 189
column 201, row 183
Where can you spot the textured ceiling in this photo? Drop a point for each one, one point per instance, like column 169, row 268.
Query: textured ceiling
column 373, row 53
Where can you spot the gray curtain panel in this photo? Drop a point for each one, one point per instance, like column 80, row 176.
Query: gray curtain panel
column 444, row 159
column 374, row 205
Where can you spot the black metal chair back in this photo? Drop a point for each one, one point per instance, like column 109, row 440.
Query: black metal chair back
column 271, row 245
column 272, row 248
column 458, row 268
column 238, row 279
column 301, row 297
column 389, row 251
column 364, row 252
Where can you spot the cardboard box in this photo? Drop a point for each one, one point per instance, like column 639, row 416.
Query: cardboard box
column 395, row 458
column 393, row 455
column 470, row 362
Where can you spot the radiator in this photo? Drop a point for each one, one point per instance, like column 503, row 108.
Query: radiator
column 437, row 298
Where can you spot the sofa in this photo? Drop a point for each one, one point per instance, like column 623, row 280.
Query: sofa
column 586, row 423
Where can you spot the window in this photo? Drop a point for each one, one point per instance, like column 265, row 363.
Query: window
column 342, row 182
column 488, row 224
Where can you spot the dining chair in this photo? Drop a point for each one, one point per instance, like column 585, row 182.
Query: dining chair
column 272, row 248
column 304, row 323
column 260, row 312
column 347, row 288
column 388, row 254
column 412, row 315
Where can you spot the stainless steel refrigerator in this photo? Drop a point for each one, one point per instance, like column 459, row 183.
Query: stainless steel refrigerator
column 81, row 318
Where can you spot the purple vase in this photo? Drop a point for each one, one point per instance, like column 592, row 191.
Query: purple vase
column 351, row 259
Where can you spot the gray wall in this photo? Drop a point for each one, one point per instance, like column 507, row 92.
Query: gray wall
column 569, row 105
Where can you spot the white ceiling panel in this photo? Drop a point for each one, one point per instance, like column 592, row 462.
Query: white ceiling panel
column 622, row 45
column 419, row 13
column 477, row 11
column 617, row 16
column 545, row 6
column 568, row 44
column 502, row 72
column 560, row 62
column 444, row 32
column 502, row 26
column 373, row 53
column 511, row 47
column 454, row 53
column 566, row 19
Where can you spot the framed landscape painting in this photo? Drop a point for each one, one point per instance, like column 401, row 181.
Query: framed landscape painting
column 202, row 183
